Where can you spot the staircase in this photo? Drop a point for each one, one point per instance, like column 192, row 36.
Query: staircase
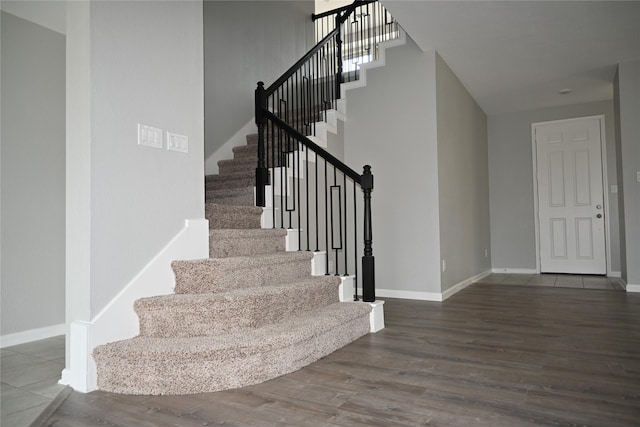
column 249, row 313
column 253, row 311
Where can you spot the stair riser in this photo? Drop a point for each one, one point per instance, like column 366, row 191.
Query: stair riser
column 142, row 376
column 222, row 248
column 221, row 276
column 237, row 166
column 240, row 200
column 227, row 183
column 232, row 314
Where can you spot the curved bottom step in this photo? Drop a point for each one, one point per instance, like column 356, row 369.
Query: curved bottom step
column 144, row 365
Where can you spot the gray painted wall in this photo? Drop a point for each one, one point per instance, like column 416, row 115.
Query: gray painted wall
column 135, row 62
column 628, row 91
column 621, row 219
column 247, row 41
column 511, row 182
column 463, row 180
column 391, row 125
column 33, row 176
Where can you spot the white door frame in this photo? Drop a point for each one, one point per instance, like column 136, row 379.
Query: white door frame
column 605, row 186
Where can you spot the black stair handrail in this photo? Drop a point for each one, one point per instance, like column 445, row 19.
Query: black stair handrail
column 286, row 112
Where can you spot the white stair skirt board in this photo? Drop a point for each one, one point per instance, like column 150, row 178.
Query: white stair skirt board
column 29, row 335
column 514, row 270
column 118, row 321
column 614, row 274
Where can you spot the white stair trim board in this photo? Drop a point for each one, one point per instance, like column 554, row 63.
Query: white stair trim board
column 376, row 317
column 380, row 62
column 118, row 321
column 226, row 150
column 514, row 270
column 319, row 264
column 345, row 289
column 29, row 335
column 461, row 285
column 632, row 288
column 292, row 241
column 614, row 274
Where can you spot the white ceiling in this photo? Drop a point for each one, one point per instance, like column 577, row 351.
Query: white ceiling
column 516, row 55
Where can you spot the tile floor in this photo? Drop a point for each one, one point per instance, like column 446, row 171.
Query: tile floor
column 29, row 375
column 554, row 280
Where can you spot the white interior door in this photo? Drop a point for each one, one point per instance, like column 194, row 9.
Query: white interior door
column 570, row 197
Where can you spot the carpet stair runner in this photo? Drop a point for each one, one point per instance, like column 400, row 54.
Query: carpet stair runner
column 249, row 313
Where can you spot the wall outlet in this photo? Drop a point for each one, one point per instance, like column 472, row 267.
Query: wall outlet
column 150, row 136
column 177, row 142
column 444, row 266
column 486, row 253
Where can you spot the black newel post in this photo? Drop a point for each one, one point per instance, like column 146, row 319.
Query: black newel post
column 368, row 260
column 262, row 173
column 339, row 55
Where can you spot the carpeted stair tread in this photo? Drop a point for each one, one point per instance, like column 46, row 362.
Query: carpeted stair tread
column 230, row 216
column 147, row 365
column 241, row 196
column 239, row 242
column 233, row 311
column 220, row 274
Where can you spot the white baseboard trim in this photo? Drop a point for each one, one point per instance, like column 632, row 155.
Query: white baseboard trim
column 431, row 296
column 514, row 270
column 423, row 296
column 460, row 286
column 614, row 274
column 29, row 335
column 118, row 321
column 632, row 288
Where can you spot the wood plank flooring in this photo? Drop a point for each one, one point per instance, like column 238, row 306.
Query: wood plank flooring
column 491, row 355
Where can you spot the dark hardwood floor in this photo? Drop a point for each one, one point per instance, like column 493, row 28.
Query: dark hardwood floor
column 491, row 355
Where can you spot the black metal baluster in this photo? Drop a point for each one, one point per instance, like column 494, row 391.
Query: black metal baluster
column 339, row 55
column 335, row 248
column 326, row 219
column 355, row 244
column 346, row 240
column 316, row 183
column 306, row 179
column 296, row 178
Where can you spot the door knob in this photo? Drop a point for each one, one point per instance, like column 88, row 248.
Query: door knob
column 599, row 216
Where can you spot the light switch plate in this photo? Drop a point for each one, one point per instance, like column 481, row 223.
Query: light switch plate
column 614, row 189
column 177, row 142
column 150, row 136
